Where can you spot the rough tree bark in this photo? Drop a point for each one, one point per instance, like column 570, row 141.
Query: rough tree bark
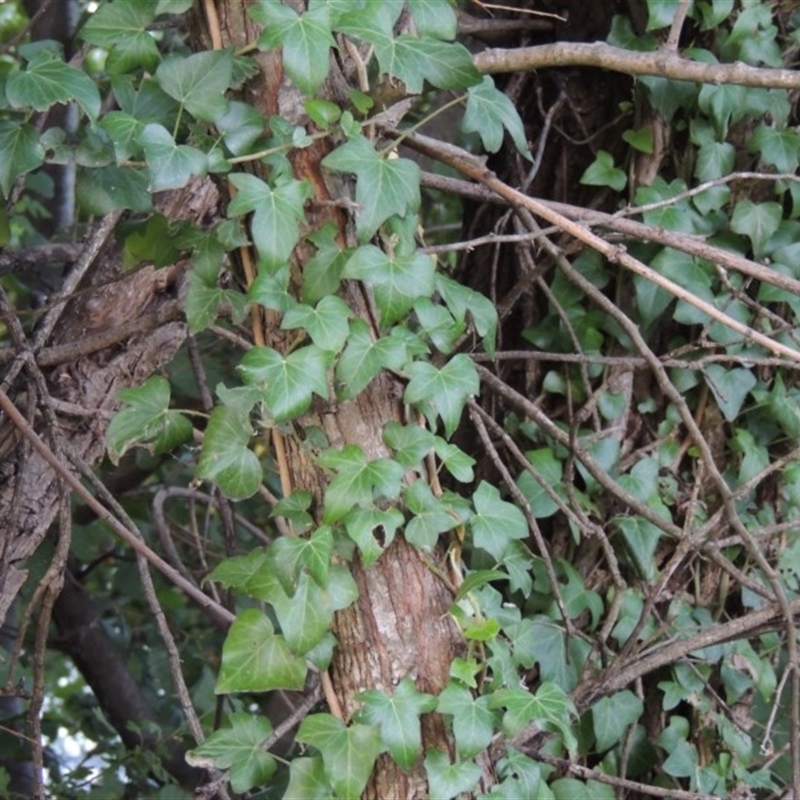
column 29, row 489
column 399, row 626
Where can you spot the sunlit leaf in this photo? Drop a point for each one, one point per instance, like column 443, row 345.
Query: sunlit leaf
column 349, row 753
column 20, row 152
column 358, row 480
column 47, row 80
column 122, row 27
column 147, row 419
column 384, row 186
column 443, row 392
column 308, row 779
column 397, row 716
column 256, row 659
column 490, row 111
column 198, row 81
column 289, row 382
column 431, row 517
column 496, row 522
column 473, row 720
column 730, row 387
column 277, row 213
column 397, row 281
column 449, row 780
column 304, row 38
column 364, row 357
column 326, row 323
column 226, row 459
column 611, row 717
column 238, row 747
column 171, row 165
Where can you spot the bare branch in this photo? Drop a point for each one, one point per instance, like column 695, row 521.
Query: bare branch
column 660, row 63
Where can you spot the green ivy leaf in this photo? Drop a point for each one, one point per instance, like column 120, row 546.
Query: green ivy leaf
column 483, row 630
column 611, row 717
column 640, row 139
column 237, row 572
column 411, row 443
column 238, row 748
column 323, row 113
column 446, row 780
column 171, row 165
column 147, row 418
column 757, row 221
column 660, row 13
column 642, row 538
column 397, row 282
column 203, row 302
column 730, row 387
column 445, row 65
column 124, row 131
column 306, row 616
column 322, row 272
column 358, row 480
column 473, row 720
column 225, row 458
column 277, row 213
column 242, row 126
column 496, row 522
column 489, row 111
column 360, row 525
column 308, row 779
column 305, row 38
column 101, row 191
column 271, row 290
column 677, row 216
column 550, row 708
column 461, row 300
column 430, row 519
column 539, row 639
column 437, row 325
column 122, row 27
column 477, row 579
column 291, row 554
column 434, row 19
column 549, row 467
column 714, row 159
column 294, row 508
column 364, row 357
column 442, row 392
column 714, row 13
column 326, row 323
column 47, row 80
column 397, row 716
column 349, row 753
column 20, row 152
column 384, row 187
column 455, row 460
column 411, row 59
column 256, row 659
column 778, row 147
column 602, row 172
column 198, row 81
column 289, row 382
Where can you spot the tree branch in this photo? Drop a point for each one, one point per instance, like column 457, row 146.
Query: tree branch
column 659, row 63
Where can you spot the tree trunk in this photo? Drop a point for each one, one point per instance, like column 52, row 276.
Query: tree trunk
column 399, row 627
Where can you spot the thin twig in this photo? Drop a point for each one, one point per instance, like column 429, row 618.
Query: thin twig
column 220, row 615
column 524, row 505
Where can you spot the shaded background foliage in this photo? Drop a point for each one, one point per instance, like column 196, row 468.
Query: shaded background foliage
column 647, row 453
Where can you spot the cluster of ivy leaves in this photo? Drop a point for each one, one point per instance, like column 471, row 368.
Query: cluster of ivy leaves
column 173, row 121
